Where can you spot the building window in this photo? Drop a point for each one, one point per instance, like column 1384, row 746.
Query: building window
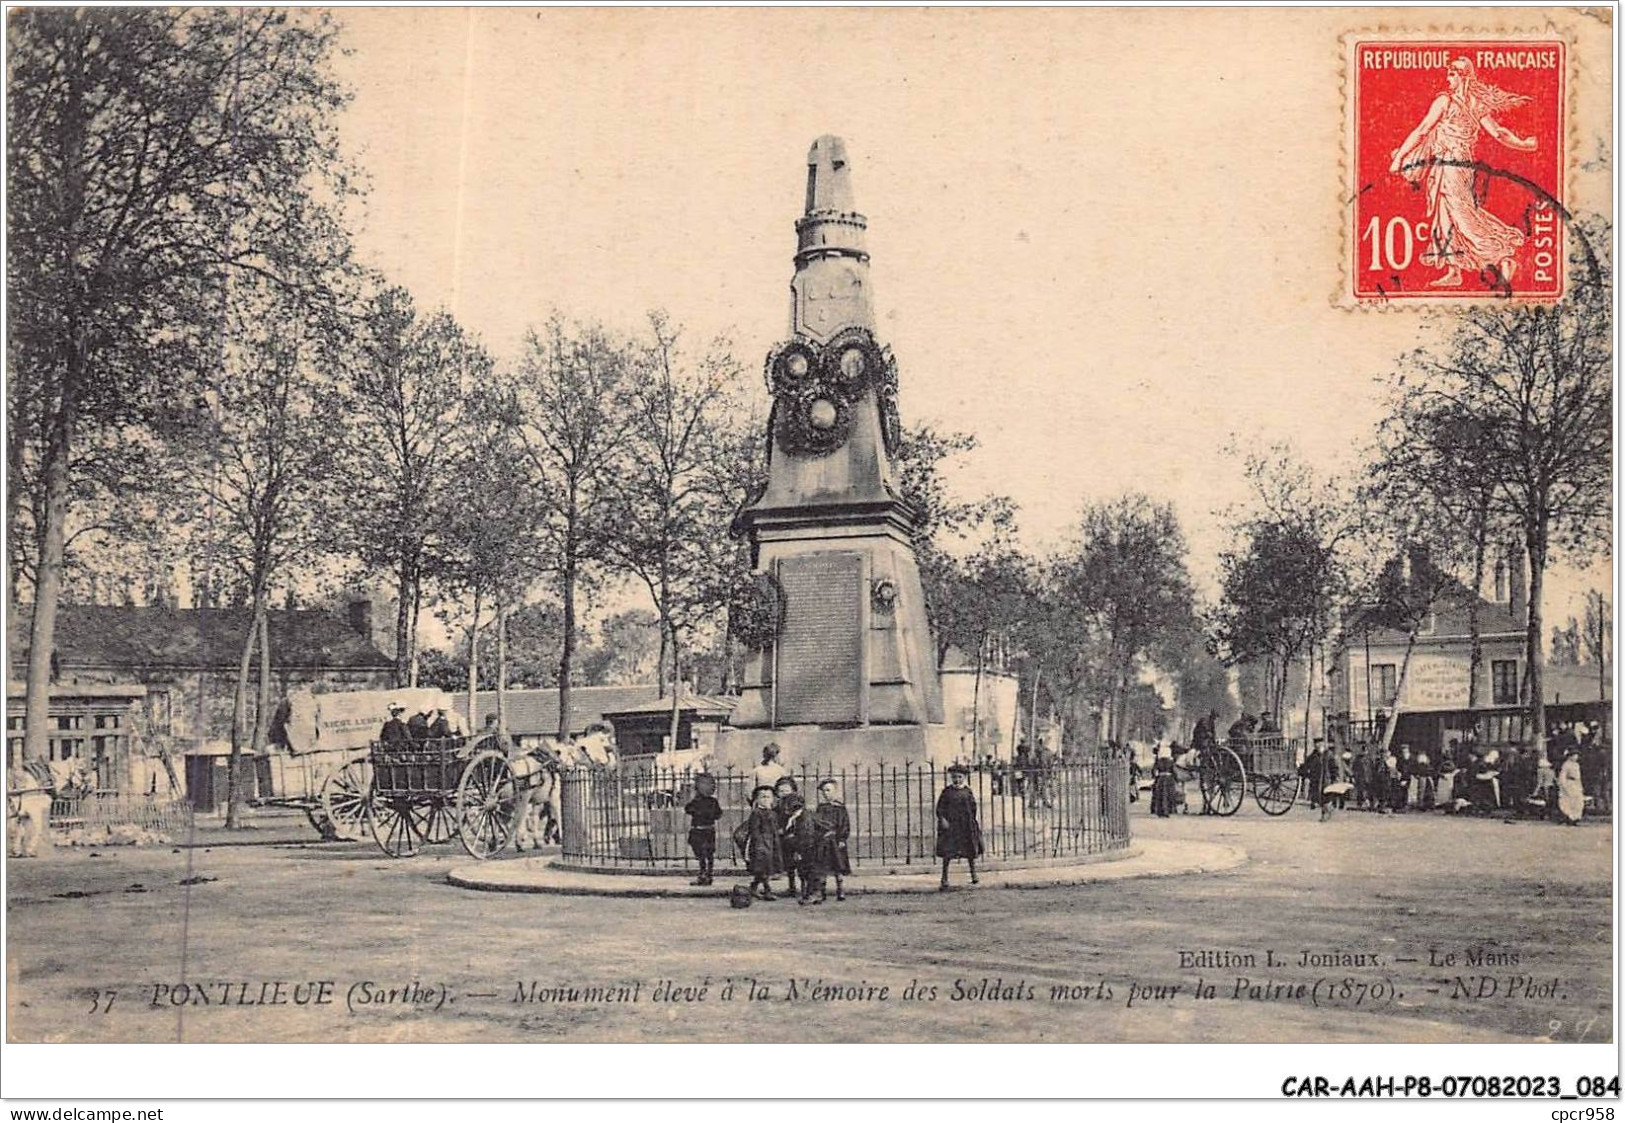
column 1504, row 682
column 1384, row 683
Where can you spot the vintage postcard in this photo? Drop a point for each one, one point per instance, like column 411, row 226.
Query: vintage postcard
column 816, row 526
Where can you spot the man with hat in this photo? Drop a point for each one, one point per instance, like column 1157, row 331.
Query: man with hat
column 417, row 726
column 394, row 733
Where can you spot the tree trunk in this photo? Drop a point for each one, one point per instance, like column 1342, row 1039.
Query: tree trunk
column 474, row 669
column 403, row 625
column 567, row 653
column 262, row 701
column 1475, row 650
column 502, row 674
column 1308, row 696
column 412, row 635
column 976, row 703
column 676, row 690
column 1038, row 677
column 1399, row 689
column 239, row 719
column 47, row 588
column 1537, row 540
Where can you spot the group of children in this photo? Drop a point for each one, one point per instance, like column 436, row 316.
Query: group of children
column 783, row 836
column 780, row 836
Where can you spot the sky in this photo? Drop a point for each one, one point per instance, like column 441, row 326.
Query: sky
column 1106, row 242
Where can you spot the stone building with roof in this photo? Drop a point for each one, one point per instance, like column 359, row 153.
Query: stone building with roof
column 145, row 681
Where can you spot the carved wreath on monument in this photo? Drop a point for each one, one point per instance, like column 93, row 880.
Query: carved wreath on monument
column 815, row 390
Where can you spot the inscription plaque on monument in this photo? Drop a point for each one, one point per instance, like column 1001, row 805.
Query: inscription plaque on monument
column 821, row 645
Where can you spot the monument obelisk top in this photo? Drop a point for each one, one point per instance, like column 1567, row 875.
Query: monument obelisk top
column 849, row 671
column 831, row 286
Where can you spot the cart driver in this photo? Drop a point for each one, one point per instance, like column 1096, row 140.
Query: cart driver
column 394, row 731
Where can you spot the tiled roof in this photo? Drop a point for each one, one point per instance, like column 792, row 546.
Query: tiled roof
column 709, row 705
column 131, row 638
column 1450, row 622
column 537, row 711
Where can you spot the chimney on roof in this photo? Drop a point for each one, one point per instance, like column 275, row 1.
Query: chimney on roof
column 360, row 617
column 1519, row 605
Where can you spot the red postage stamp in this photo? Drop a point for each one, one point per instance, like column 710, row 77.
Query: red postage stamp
column 1458, row 158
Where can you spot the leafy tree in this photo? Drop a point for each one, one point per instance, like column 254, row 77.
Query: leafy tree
column 1566, row 644
column 149, row 150
column 493, row 534
column 923, row 455
column 673, row 502
column 266, row 495
column 561, row 406
column 1598, row 637
column 1537, row 382
column 409, row 386
column 1125, row 573
column 1284, row 573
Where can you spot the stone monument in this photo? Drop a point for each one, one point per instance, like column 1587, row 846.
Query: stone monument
column 848, row 671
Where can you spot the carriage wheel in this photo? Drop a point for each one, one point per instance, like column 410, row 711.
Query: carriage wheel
column 487, row 805
column 1224, row 783
column 393, row 829
column 434, row 822
column 1275, row 794
column 345, row 796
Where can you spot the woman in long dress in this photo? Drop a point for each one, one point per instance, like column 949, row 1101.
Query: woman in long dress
column 1164, row 787
column 1571, row 796
column 1439, row 153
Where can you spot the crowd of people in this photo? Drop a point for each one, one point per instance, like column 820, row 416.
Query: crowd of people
column 1464, row 777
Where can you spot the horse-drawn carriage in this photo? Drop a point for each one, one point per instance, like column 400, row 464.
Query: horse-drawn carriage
column 1267, row 764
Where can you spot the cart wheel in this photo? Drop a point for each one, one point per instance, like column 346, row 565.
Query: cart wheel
column 487, row 805
column 1223, row 782
column 434, row 822
column 393, row 829
column 1275, row 794
column 345, row 796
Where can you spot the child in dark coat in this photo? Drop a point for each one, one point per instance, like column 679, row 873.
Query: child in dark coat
column 703, row 812
column 832, row 826
column 795, row 835
column 959, row 834
column 758, row 839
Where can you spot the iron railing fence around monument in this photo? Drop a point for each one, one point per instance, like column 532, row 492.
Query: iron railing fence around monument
column 635, row 817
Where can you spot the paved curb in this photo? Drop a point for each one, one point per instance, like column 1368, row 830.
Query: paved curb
column 1147, row 858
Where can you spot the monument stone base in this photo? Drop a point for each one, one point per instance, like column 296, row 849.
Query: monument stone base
column 813, row 746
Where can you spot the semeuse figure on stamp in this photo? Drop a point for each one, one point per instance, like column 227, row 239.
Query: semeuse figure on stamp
column 959, row 834
column 1439, row 153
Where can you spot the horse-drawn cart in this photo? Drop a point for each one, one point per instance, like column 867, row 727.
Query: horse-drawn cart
column 1268, row 765
column 434, row 791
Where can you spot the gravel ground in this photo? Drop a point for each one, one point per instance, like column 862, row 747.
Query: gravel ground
column 346, row 925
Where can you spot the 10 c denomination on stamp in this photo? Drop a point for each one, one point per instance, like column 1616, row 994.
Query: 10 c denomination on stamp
column 1458, row 150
